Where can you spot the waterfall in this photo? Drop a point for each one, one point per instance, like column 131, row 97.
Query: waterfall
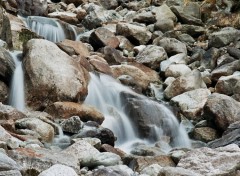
column 48, row 28
column 61, row 140
column 109, row 97
column 16, row 98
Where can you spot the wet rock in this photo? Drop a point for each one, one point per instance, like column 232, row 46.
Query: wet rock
column 176, row 70
column 79, row 47
column 45, row 81
column 230, row 136
column 151, row 56
column 5, row 28
column 71, row 125
column 205, row 134
column 221, row 110
column 223, row 37
column 3, row 92
column 228, row 84
column 66, row 110
column 45, row 130
column 35, row 161
column 191, row 103
column 206, row 161
column 32, row 7
column 137, row 34
column 7, row 66
column 112, row 56
column 59, row 169
column 68, row 17
column 138, row 164
column 103, row 37
column 172, row 46
column 225, row 70
column 118, row 170
column 184, row 83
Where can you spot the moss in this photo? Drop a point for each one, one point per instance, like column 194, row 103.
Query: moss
column 25, row 35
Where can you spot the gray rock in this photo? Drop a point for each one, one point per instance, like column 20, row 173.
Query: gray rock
column 46, row 82
column 223, row 37
column 113, row 56
column 186, row 38
column 206, row 161
column 234, row 52
column 10, row 113
column 191, row 103
column 221, row 110
column 205, row 134
column 152, row 170
column 151, row 56
column 137, row 34
column 177, row 171
column 145, row 17
column 109, row 4
column 59, row 169
column 176, row 70
column 72, row 125
column 68, row 17
column 118, row 170
column 184, row 83
column 7, row 164
column 192, row 30
column 5, row 28
column 10, row 173
column 3, row 92
column 32, row 7
column 164, row 25
column 164, row 12
column 105, row 159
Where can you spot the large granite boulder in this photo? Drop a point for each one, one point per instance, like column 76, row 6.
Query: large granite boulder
column 49, row 71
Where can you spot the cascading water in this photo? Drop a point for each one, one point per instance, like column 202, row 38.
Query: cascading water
column 105, row 93
column 16, row 98
column 61, row 140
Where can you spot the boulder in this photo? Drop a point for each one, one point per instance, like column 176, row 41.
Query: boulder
column 3, row 92
column 5, row 28
column 136, row 34
column 45, row 82
column 206, row 161
column 35, row 161
column 164, row 12
column 103, row 37
column 145, row 17
column 223, row 37
column 59, row 169
column 221, row 110
column 191, row 103
column 100, row 64
column 176, row 70
column 193, row 30
column 45, row 131
column 118, row 170
column 185, row 83
column 205, row 134
column 10, row 113
column 72, row 125
column 151, row 56
column 8, row 165
column 32, row 7
column 109, row 4
column 68, row 17
column 65, row 110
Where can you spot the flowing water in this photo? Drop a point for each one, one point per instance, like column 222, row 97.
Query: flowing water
column 61, row 140
column 105, row 93
column 16, row 98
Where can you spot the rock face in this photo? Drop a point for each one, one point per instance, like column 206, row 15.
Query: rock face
column 5, row 28
column 66, row 110
column 221, row 110
column 46, row 79
column 205, row 161
column 32, row 7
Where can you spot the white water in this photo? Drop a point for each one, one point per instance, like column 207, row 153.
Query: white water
column 61, row 140
column 17, row 98
column 48, row 28
column 104, row 94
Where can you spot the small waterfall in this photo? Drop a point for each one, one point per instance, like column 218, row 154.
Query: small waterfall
column 17, row 98
column 105, row 93
column 61, row 140
column 48, row 28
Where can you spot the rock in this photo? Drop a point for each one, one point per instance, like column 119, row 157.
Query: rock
column 71, row 125
column 228, row 84
column 221, row 110
column 7, row 66
column 176, row 70
column 138, row 164
column 10, row 113
column 152, row 170
column 32, row 7
column 45, row 81
column 184, row 83
column 125, row 44
column 118, row 170
column 5, row 28
column 45, row 131
column 234, row 52
column 109, row 148
column 230, row 136
column 112, row 56
column 109, row 4
column 3, row 92
column 194, row 31
column 8, row 164
column 225, row 70
column 143, row 150
column 206, row 161
column 35, row 161
column 10, row 173
column 164, row 25
column 185, row 38
column 103, row 37
column 177, row 171
column 210, row 57
column 177, row 154
column 79, row 47
column 75, row 2
column 59, row 169
column 145, row 17
column 172, row 46
column 105, row 159
column 100, row 64
column 68, row 17
column 141, row 79
column 151, row 56
column 66, row 110
column 223, row 37
column 164, row 12
column 205, row 134
column 136, row 34
column 191, row 103
column 224, row 59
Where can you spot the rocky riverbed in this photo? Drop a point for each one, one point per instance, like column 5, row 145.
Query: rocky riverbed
column 180, row 54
